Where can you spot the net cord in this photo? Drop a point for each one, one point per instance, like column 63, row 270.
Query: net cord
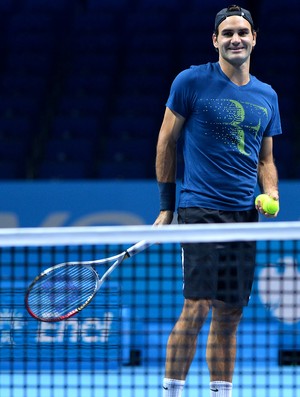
column 93, row 235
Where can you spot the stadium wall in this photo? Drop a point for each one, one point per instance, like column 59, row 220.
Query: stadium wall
column 84, row 203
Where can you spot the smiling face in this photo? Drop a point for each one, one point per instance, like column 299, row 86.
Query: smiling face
column 234, row 40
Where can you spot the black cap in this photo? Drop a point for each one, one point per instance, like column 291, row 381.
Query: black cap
column 230, row 11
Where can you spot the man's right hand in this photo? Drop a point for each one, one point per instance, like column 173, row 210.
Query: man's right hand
column 164, row 218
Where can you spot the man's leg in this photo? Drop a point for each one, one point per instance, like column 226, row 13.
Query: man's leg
column 182, row 344
column 221, row 347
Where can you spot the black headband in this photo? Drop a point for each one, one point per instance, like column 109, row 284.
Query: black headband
column 223, row 14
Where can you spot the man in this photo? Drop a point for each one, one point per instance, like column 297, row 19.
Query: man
column 226, row 118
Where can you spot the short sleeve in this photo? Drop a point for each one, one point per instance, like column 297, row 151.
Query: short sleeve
column 274, row 126
column 182, row 95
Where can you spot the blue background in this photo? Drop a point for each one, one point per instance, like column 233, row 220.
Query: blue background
column 86, row 203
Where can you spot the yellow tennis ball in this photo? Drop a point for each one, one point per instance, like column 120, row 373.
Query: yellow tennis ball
column 271, row 206
column 262, row 198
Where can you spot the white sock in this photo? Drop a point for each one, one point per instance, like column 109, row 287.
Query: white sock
column 172, row 387
column 220, row 389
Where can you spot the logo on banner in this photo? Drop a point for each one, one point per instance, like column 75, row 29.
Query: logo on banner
column 88, row 330
column 279, row 287
column 10, row 321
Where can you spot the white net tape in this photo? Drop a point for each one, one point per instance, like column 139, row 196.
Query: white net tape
column 168, row 233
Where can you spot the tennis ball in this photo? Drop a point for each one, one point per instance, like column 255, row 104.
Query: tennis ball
column 268, row 204
column 271, row 206
column 262, row 198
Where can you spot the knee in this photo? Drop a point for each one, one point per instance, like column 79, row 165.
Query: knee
column 195, row 311
column 197, row 307
column 226, row 319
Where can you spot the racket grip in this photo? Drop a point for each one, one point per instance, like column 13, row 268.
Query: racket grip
column 138, row 247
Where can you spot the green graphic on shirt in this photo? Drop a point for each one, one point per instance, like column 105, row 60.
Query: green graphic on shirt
column 234, row 122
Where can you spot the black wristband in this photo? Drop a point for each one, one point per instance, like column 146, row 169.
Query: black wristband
column 167, row 195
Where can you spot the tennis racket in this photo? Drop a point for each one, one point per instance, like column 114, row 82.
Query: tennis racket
column 63, row 290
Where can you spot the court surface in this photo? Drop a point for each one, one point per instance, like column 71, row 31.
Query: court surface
column 136, row 382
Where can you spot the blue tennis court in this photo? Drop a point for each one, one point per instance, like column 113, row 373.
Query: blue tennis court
column 141, row 382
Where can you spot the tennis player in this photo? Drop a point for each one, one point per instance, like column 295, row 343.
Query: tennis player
column 227, row 119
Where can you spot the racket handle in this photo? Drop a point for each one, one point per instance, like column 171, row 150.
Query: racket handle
column 136, row 248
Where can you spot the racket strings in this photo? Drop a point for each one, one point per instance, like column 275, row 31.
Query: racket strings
column 62, row 290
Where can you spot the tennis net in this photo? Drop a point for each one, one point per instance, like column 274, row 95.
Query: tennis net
column 119, row 348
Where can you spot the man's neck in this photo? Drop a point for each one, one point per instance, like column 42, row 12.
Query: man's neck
column 238, row 74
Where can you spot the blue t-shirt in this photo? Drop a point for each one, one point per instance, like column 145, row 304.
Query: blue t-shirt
column 222, row 136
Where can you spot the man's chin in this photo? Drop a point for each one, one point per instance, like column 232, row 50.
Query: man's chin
column 237, row 59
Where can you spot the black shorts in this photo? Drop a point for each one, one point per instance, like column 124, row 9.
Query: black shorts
column 218, row 271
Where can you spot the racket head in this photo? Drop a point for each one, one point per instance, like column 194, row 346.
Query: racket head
column 61, row 291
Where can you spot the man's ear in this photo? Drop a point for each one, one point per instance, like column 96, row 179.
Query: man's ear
column 215, row 40
column 254, row 39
